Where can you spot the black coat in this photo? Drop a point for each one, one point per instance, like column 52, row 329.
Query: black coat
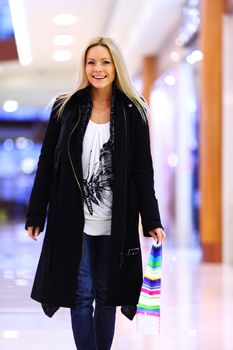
column 58, row 186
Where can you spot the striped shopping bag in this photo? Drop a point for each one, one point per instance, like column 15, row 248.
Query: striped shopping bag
column 148, row 308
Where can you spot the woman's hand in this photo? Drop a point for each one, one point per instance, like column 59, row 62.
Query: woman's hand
column 33, row 232
column 158, row 234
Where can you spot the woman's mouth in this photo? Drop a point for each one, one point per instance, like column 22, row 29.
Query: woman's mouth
column 99, row 77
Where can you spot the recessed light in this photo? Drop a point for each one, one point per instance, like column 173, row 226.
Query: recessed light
column 170, row 80
column 62, row 55
column 197, row 55
column 194, row 57
column 64, row 19
column 10, row 334
column 63, row 39
column 28, row 165
column 174, row 56
column 10, row 106
column 20, row 281
column 8, row 145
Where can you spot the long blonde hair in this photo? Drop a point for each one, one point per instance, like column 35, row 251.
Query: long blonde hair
column 122, row 80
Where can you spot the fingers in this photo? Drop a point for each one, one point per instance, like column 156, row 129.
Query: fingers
column 158, row 234
column 33, row 232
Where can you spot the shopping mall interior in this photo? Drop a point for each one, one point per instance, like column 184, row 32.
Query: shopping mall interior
column 179, row 55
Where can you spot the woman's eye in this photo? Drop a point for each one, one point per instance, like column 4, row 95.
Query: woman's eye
column 107, row 62
column 90, row 62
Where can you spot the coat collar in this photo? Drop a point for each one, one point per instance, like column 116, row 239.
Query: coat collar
column 82, row 94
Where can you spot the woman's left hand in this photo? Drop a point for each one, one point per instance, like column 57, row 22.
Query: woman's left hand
column 158, row 234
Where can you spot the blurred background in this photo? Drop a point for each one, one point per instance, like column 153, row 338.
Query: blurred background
column 179, row 54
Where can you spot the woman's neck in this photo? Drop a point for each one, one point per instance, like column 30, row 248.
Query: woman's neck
column 101, row 97
column 101, row 105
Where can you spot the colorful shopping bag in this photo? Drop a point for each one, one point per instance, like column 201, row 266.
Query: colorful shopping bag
column 148, row 308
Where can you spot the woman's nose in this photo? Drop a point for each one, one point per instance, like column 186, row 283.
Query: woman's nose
column 98, row 67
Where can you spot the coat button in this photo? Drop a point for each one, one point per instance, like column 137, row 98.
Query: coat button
column 130, row 105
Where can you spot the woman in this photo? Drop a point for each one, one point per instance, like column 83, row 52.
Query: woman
column 95, row 172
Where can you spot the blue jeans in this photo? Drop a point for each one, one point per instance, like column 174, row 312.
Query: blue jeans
column 93, row 328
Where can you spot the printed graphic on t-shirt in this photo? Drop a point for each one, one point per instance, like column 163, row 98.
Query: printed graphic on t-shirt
column 97, row 186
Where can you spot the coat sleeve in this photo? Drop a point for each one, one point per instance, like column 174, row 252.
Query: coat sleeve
column 38, row 202
column 144, row 178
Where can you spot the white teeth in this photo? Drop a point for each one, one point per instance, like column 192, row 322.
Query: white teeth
column 99, row 77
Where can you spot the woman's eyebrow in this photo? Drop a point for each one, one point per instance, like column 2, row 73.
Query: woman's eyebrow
column 93, row 59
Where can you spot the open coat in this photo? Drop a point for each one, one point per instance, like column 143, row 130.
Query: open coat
column 57, row 195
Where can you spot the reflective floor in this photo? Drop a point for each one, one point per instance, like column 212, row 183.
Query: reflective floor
column 196, row 310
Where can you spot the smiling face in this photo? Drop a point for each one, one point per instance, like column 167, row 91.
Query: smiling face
column 99, row 68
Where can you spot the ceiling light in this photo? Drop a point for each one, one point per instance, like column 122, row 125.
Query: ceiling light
column 20, row 31
column 63, row 39
column 64, row 20
column 197, row 55
column 28, row 165
column 21, row 142
column 62, row 55
column 20, row 281
column 174, row 56
column 10, row 334
column 8, row 145
column 170, row 80
column 10, row 106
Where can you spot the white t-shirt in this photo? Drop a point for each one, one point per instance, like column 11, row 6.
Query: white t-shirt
column 97, row 179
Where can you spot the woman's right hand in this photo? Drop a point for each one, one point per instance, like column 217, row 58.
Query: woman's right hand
column 33, row 232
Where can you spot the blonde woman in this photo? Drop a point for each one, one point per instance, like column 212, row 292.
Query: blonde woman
column 95, row 176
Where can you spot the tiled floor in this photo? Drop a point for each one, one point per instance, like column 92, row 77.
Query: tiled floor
column 196, row 311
